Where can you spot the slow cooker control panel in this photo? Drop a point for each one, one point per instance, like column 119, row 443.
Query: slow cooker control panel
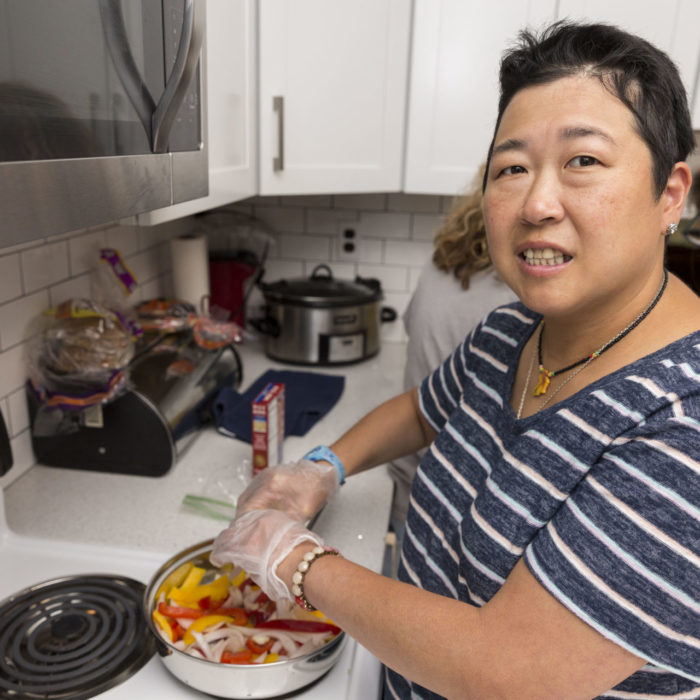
column 346, row 347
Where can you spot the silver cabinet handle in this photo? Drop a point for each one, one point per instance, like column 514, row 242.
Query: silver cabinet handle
column 278, row 160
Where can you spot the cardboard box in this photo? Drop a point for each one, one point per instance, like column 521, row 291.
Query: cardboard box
column 268, row 427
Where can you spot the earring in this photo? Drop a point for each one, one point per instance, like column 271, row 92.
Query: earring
column 671, row 229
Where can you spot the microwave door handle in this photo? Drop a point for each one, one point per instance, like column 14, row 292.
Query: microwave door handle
column 186, row 58
column 124, row 64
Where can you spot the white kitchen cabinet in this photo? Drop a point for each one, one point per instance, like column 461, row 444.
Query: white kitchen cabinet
column 332, row 91
column 671, row 25
column 453, row 93
column 230, row 79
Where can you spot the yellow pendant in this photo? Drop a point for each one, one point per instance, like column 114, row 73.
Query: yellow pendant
column 543, row 383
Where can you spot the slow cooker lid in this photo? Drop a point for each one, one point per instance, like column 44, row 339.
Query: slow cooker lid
column 321, row 289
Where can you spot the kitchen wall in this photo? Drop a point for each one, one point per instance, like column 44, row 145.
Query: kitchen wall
column 394, row 241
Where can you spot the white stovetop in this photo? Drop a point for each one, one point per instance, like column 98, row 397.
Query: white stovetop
column 58, row 522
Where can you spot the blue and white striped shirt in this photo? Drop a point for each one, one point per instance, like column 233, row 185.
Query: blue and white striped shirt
column 600, row 493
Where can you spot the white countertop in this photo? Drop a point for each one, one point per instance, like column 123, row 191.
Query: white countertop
column 146, row 513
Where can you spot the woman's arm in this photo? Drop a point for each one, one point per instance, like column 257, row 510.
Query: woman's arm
column 521, row 644
column 394, row 429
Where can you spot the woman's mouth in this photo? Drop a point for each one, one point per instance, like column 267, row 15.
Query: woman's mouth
column 544, row 256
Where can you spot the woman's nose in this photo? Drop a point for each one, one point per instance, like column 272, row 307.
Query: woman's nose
column 542, row 201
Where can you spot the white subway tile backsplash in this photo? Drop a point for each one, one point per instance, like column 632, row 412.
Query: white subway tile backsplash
column 84, row 251
column 384, row 225
column 19, row 412
column 392, row 279
column 425, row 226
column 44, row 265
column 18, row 319
column 10, row 278
column 5, row 411
column 75, row 288
column 297, row 247
column 150, row 263
column 125, row 239
column 428, row 204
column 276, row 269
column 360, row 201
column 328, row 221
column 13, row 371
column 282, row 219
column 414, row 253
column 370, row 250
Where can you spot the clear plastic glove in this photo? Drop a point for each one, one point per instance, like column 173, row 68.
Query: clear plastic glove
column 300, row 489
column 259, row 541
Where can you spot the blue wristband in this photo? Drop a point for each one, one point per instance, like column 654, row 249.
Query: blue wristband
column 325, row 454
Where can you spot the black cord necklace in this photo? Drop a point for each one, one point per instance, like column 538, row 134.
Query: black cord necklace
column 545, row 375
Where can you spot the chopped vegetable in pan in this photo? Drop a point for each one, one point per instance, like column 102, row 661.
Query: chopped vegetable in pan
column 230, row 620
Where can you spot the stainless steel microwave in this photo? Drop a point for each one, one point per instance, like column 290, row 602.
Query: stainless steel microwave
column 101, row 112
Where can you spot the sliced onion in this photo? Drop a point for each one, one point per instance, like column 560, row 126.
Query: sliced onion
column 203, row 646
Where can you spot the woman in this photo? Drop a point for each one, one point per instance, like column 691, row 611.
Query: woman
column 552, row 544
column 455, row 290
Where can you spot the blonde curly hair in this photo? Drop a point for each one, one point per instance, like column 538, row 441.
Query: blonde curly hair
column 460, row 243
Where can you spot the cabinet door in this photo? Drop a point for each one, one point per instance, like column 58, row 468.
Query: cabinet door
column 672, row 25
column 230, row 93
column 453, row 94
column 332, row 95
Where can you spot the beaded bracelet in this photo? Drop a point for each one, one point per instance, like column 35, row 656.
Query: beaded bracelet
column 301, row 571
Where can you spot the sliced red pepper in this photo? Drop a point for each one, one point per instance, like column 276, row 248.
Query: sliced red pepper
column 205, row 603
column 262, row 598
column 244, row 656
column 299, row 626
column 239, row 615
column 178, row 631
column 177, row 611
column 259, row 648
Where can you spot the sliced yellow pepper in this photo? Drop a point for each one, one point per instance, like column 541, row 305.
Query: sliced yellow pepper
column 239, row 578
column 202, row 623
column 173, row 579
column 194, row 576
column 270, row 658
column 163, row 623
column 216, row 590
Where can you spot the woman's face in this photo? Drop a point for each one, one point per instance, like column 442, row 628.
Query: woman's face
column 573, row 223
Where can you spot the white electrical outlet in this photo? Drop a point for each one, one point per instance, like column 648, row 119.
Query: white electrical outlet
column 347, row 242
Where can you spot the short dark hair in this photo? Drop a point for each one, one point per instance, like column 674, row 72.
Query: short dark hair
column 640, row 75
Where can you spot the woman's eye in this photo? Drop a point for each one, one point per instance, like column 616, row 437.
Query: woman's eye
column 583, row 161
column 512, row 170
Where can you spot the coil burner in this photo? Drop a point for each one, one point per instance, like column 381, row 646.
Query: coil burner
column 72, row 637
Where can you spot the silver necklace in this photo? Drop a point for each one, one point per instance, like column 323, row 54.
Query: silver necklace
column 593, row 356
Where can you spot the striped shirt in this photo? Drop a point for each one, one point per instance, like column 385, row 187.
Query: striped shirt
column 600, row 493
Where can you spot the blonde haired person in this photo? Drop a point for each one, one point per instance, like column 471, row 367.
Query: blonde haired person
column 455, row 290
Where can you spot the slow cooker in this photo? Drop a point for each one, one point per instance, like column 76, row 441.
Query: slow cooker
column 321, row 320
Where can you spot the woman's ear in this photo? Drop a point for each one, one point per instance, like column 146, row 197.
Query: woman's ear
column 674, row 196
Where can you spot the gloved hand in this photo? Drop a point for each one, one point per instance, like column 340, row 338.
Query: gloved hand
column 258, row 541
column 300, row 489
